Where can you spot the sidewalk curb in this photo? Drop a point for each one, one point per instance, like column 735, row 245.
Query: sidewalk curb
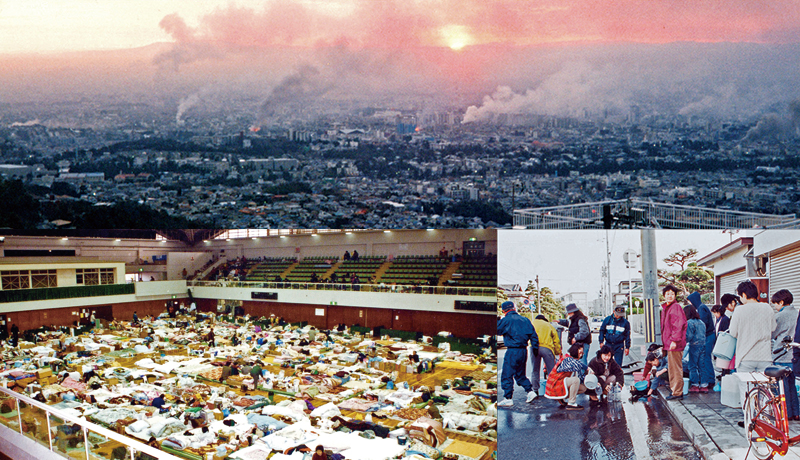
column 694, row 430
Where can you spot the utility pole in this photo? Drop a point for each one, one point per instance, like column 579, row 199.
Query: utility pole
column 630, row 261
column 514, row 186
column 609, row 307
column 603, row 289
column 652, row 315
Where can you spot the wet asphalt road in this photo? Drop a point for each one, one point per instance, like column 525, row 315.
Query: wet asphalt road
column 615, row 430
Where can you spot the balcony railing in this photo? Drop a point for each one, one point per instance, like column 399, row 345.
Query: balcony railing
column 69, row 292
column 56, row 431
column 383, row 288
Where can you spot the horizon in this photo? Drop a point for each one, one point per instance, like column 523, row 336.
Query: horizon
column 720, row 60
column 51, row 25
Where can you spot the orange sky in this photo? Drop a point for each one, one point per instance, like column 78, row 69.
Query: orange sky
column 56, row 25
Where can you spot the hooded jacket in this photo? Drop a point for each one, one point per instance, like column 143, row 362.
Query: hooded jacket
column 673, row 326
column 705, row 313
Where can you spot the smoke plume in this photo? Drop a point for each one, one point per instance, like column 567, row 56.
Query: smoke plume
column 774, row 126
column 185, row 104
column 302, row 86
column 33, row 122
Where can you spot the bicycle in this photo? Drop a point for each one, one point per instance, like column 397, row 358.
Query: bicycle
column 765, row 420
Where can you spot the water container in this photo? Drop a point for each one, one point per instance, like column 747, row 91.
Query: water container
column 725, row 346
column 685, row 386
column 542, row 387
column 729, row 395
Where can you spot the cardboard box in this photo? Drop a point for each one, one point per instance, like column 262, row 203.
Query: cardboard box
column 23, row 382
column 44, row 372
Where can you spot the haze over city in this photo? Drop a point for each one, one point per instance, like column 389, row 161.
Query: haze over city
column 578, row 76
column 545, row 57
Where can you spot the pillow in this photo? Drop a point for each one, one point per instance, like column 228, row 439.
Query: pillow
column 138, row 426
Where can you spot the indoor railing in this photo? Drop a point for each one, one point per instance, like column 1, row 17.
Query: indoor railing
column 384, row 288
column 69, row 436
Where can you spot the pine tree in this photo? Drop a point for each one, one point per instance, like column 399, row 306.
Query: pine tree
column 687, row 275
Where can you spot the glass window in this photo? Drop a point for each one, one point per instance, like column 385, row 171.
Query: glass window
column 91, row 277
column 107, row 276
column 43, row 278
column 15, row 279
column 95, row 276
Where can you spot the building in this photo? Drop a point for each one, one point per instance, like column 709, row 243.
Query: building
column 771, row 259
column 578, row 298
column 621, row 296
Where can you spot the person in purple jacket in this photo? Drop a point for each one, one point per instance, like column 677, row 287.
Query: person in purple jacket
column 673, row 336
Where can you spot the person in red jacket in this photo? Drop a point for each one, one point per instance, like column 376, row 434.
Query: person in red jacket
column 673, row 336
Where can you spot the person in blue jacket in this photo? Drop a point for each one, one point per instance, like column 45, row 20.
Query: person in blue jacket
column 616, row 333
column 517, row 331
column 707, row 375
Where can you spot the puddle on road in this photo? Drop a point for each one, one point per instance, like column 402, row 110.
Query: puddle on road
column 610, row 431
column 621, row 430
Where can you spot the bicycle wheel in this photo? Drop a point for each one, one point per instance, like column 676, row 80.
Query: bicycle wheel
column 758, row 405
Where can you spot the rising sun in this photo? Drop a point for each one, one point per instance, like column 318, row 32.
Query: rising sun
column 455, row 36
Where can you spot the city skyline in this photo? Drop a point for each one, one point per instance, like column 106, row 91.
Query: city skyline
column 436, row 105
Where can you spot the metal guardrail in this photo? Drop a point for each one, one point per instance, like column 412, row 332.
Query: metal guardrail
column 131, row 444
column 383, row 288
column 648, row 214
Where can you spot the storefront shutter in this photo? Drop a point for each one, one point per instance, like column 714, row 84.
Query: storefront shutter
column 729, row 281
column 784, row 272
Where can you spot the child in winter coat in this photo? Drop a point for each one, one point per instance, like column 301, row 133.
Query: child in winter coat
column 695, row 341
